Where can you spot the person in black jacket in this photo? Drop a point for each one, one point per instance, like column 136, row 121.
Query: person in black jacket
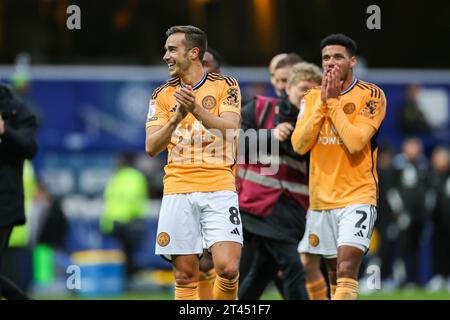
column 17, row 143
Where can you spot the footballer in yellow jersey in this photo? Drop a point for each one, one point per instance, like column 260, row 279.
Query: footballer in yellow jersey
column 198, row 160
column 338, row 124
column 195, row 116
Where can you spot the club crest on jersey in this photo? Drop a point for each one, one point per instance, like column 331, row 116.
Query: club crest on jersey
column 163, row 239
column 209, row 102
column 349, row 108
column 371, row 109
column 151, row 115
column 313, row 240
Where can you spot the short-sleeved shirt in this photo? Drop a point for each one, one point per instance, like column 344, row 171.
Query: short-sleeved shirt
column 338, row 178
column 199, row 160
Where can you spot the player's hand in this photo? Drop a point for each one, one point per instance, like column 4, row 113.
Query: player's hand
column 179, row 115
column 323, row 91
column 334, row 83
column 282, row 131
column 186, row 98
column 2, row 125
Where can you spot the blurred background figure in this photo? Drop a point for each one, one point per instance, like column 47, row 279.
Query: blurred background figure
column 21, row 83
column 439, row 189
column 272, row 65
column 412, row 121
column 389, row 207
column 412, row 186
column 282, row 71
column 212, row 61
column 18, row 261
column 18, row 128
column 125, row 204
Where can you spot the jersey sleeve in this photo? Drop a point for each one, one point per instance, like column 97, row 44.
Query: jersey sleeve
column 230, row 99
column 310, row 119
column 373, row 109
column 158, row 111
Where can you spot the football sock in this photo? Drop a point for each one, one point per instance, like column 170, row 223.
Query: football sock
column 206, row 284
column 186, row 292
column 225, row 289
column 347, row 289
column 317, row 289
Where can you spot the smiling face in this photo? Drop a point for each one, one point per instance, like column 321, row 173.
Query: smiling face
column 177, row 55
column 337, row 55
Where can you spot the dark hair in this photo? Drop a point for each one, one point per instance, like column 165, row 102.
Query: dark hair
column 195, row 37
column 342, row 40
column 216, row 56
column 291, row 59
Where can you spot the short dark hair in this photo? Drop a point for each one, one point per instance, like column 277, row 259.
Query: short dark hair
column 195, row 37
column 342, row 40
column 216, row 56
column 291, row 59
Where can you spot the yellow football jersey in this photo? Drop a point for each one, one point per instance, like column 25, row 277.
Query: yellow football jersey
column 337, row 177
column 199, row 160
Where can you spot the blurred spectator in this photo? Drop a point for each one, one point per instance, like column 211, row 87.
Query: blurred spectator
column 412, row 186
column 18, row 264
column 48, row 222
column 273, row 63
column 21, row 83
column 125, row 200
column 17, row 143
column 212, row 61
column 411, row 118
column 388, row 207
column 282, row 71
column 440, row 214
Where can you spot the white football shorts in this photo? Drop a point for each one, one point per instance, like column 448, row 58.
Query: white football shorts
column 326, row 230
column 193, row 221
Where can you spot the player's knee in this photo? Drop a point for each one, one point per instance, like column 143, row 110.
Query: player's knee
column 347, row 269
column 186, row 277
column 228, row 270
column 310, row 266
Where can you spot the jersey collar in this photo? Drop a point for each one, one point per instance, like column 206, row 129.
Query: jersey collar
column 350, row 87
column 198, row 84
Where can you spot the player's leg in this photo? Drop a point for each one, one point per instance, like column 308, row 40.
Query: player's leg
column 355, row 223
column 332, row 275
column 319, row 240
column 207, row 277
column 186, row 268
column 179, row 240
column 348, row 264
column 226, row 257
column 315, row 281
column 222, row 232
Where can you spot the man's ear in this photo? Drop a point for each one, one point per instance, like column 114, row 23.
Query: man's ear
column 195, row 53
column 353, row 61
